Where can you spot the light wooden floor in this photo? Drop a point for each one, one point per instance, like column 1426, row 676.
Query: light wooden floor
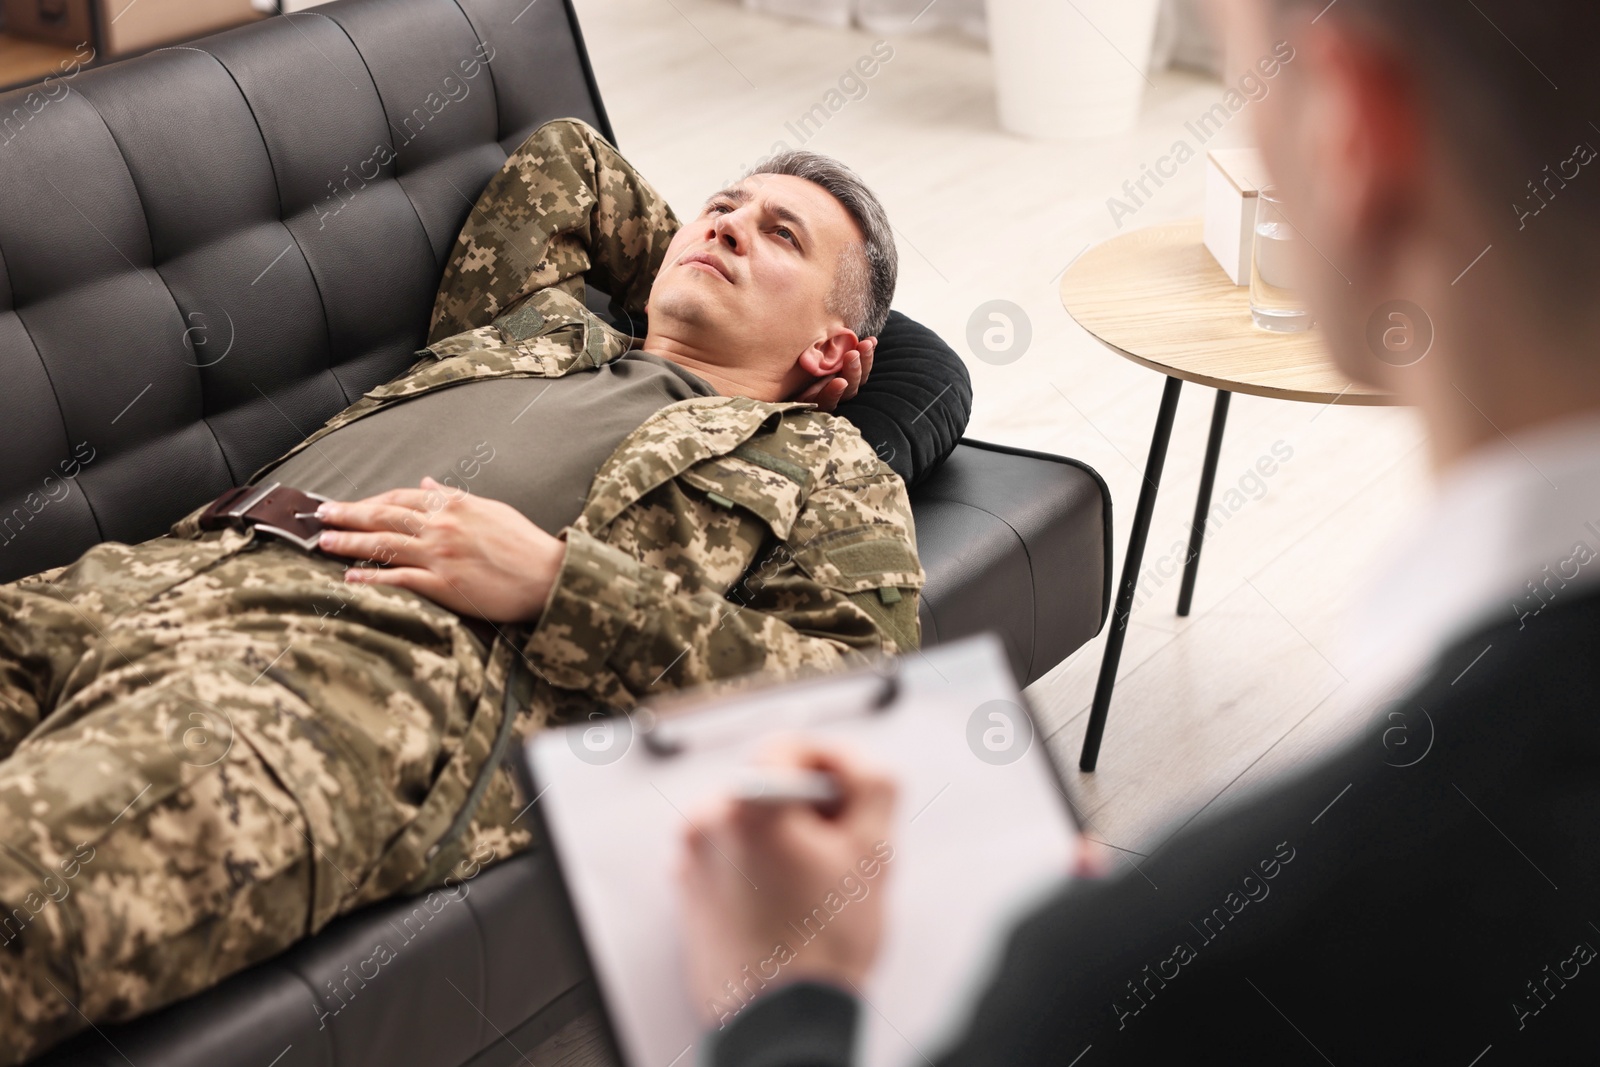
column 580, row 1043
column 1208, row 706
column 23, row 60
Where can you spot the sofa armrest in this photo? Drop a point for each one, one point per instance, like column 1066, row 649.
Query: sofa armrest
column 1016, row 542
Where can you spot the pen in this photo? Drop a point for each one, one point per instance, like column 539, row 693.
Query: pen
column 770, row 785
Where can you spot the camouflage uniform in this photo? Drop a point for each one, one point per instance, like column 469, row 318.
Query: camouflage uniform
column 210, row 745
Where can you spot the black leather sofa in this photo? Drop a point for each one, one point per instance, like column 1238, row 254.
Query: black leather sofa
column 185, row 292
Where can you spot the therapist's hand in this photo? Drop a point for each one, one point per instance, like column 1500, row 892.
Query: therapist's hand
column 749, row 871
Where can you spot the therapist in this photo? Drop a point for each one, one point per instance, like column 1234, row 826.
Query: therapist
column 1430, row 893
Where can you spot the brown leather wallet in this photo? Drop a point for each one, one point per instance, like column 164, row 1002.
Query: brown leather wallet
column 277, row 509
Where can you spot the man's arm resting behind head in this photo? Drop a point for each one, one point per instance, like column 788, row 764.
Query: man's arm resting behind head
column 564, row 204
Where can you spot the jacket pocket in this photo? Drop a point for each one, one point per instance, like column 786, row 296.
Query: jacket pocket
column 735, row 480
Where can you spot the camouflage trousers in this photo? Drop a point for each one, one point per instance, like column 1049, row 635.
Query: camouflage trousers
column 211, row 747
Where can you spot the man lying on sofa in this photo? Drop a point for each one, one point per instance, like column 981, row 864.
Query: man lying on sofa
column 213, row 743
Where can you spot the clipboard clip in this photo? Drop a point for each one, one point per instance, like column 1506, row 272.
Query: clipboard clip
column 727, row 721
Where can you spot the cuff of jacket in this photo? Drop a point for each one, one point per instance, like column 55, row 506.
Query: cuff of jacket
column 807, row 1024
column 598, row 596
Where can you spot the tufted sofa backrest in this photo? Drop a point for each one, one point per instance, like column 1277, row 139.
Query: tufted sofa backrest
column 208, row 250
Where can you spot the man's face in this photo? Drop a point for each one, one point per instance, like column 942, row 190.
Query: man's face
column 752, row 272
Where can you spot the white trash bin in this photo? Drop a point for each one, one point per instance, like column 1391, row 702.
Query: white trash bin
column 1070, row 68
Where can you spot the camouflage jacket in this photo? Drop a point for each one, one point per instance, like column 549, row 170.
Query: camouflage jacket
column 725, row 535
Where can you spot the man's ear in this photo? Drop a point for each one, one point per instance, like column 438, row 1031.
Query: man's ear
column 826, row 357
column 1368, row 133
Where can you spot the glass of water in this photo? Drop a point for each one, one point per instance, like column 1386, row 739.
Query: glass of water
column 1274, row 304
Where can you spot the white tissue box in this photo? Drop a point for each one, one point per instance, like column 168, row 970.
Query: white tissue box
column 1233, row 178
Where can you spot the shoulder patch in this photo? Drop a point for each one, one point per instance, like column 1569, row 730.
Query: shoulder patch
column 788, row 468
column 878, row 556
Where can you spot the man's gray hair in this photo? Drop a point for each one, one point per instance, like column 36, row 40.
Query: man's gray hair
column 865, row 282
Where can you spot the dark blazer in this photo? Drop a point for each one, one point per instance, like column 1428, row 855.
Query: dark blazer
column 1430, row 894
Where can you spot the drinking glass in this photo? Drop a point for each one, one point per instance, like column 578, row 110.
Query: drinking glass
column 1274, row 304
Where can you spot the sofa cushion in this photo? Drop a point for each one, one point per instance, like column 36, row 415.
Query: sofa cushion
column 205, row 251
column 1017, row 543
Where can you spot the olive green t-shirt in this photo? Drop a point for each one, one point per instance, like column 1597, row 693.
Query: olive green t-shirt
column 535, row 443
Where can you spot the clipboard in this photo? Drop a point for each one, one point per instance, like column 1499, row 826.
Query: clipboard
column 982, row 831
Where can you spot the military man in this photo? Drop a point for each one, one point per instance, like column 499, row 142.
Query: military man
column 213, row 743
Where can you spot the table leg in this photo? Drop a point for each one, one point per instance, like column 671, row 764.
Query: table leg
column 1130, row 574
column 1202, row 503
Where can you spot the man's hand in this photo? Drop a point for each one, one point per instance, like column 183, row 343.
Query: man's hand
column 828, row 393
column 474, row 556
column 796, row 855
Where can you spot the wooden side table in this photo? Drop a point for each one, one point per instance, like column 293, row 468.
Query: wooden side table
column 1157, row 297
